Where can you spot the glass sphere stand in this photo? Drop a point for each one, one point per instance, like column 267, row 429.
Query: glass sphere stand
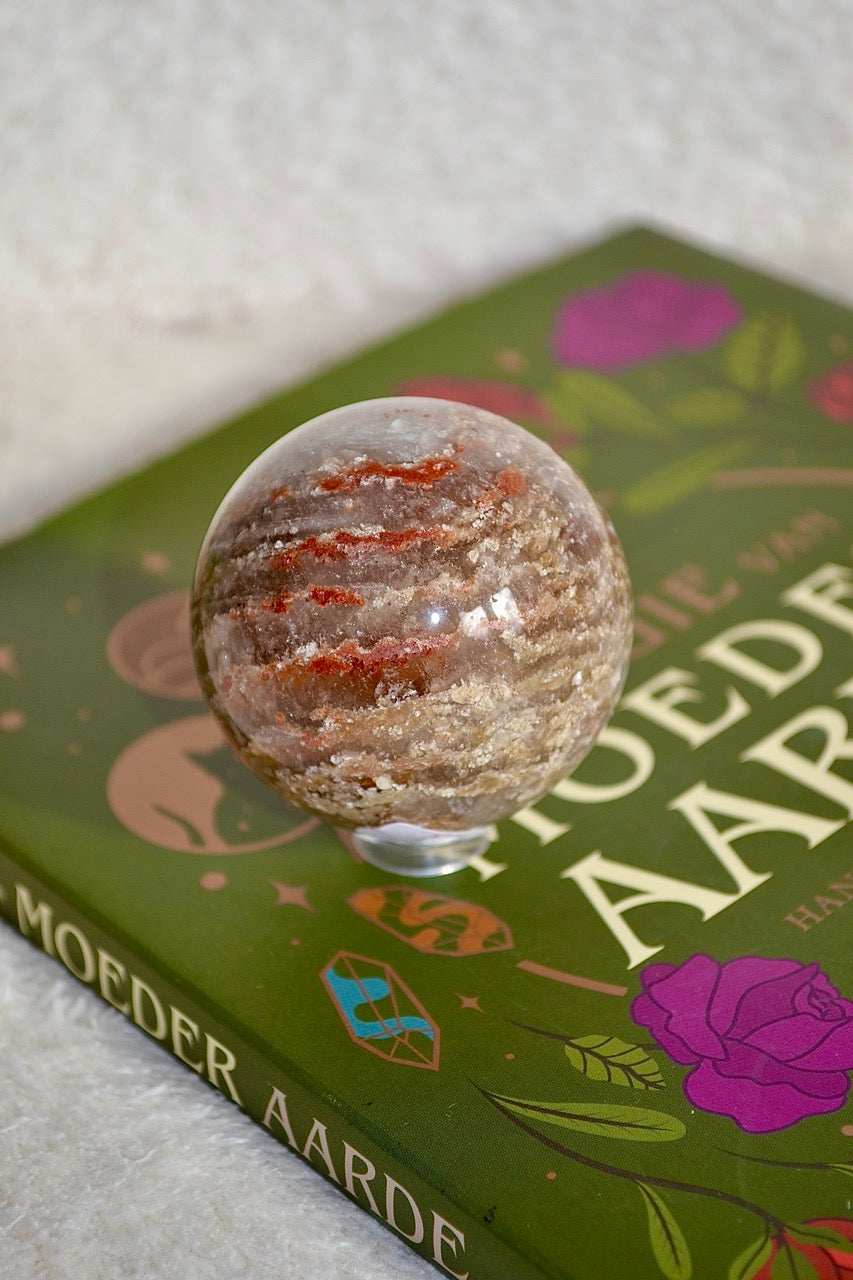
column 408, row 850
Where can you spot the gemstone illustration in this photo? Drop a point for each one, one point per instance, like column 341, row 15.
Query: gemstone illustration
column 379, row 1011
column 411, row 611
column 431, row 922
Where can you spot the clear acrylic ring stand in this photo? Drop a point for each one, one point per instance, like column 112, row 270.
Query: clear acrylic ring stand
column 407, row 850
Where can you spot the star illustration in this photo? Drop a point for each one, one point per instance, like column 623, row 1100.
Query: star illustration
column 8, row 665
column 291, row 895
column 469, row 1002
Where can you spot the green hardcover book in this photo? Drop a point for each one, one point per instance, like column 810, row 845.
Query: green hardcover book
column 621, row 1042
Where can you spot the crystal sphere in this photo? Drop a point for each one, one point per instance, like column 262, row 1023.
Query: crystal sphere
column 411, row 611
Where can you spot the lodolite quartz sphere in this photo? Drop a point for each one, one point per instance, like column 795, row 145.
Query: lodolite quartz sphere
column 411, row 611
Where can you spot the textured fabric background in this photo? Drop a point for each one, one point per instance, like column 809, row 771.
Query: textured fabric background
column 204, row 199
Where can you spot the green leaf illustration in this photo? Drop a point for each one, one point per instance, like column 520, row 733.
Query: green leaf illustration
column 668, row 1243
column 614, row 1061
column 765, row 354
column 842, row 1168
column 706, row 407
column 679, row 479
column 566, row 407
column 790, row 1264
column 820, row 1237
column 633, row 1124
column 600, row 401
column 751, row 1260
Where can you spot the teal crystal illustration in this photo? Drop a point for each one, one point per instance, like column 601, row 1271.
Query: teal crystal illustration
column 379, row 1011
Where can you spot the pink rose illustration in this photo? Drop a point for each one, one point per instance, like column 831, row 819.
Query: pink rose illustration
column 770, row 1041
column 832, row 392
column 641, row 315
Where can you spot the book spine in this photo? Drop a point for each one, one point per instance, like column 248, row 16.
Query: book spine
column 267, row 1090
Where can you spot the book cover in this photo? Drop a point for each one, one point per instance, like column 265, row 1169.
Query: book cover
column 621, row 1042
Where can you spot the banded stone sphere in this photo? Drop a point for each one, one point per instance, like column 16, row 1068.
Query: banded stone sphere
column 411, row 611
